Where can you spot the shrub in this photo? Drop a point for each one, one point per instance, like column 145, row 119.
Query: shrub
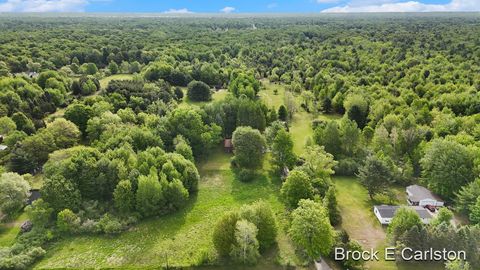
column 199, row 91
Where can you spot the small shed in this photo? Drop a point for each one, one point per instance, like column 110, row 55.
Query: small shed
column 228, row 145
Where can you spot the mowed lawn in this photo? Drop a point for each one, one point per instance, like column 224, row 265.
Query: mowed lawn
column 363, row 226
column 184, row 238
column 104, row 82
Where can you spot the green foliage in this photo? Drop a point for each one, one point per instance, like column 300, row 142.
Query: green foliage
column 244, row 85
column 311, row 230
column 475, row 212
column 330, row 203
column 245, row 249
column 23, row 123
column 404, row 219
column 374, row 175
column 39, row 213
column 199, row 91
column 447, row 166
column 14, row 191
column 296, row 187
column 249, row 147
column 149, row 196
column 79, row 114
column 262, row 216
column 183, row 148
column 60, row 193
column 282, row 113
column 444, row 215
column 7, row 125
column 467, row 196
column 282, row 150
column 67, row 221
column 224, row 233
column 124, row 197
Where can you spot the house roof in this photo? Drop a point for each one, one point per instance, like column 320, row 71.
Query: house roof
column 388, row 211
column 3, row 147
column 417, row 193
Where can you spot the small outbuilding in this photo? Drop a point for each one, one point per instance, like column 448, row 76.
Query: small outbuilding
column 421, row 196
column 228, row 145
column 385, row 213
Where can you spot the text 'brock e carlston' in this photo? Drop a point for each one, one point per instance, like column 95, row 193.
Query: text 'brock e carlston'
column 406, row 254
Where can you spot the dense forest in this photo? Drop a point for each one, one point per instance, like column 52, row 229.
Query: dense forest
column 110, row 118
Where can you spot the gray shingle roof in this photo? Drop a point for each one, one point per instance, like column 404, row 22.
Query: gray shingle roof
column 388, row 211
column 419, row 193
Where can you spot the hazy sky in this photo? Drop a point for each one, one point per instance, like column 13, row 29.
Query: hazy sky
column 238, row 6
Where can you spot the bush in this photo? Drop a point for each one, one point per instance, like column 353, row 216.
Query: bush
column 199, row 91
column 346, row 167
column 246, row 175
column 67, row 221
column 110, row 225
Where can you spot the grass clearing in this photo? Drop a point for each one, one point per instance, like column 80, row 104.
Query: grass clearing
column 10, row 230
column 104, row 82
column 185, row 237
column 216, row 96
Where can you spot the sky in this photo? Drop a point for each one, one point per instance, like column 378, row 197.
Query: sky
column 238, row 6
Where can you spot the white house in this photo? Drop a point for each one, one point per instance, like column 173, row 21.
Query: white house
column 385, row 213
column 420, row 196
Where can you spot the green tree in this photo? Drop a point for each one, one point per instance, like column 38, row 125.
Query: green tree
column 89, row 68
column 330, row 203
column 260, row 214
column 224, row 233
column 149, row 197
column 60, row 193
column 282, row 113
column 297, row 186
column 199, row 91
column 14, row 192
column 329, row 137
column 64, row 132
column 245, row 249
column 475, row 212
column 113, row 68
column 467, row 196
column 457, row 265
column 39, row 213
column 23, row 123
column 79, row 114
column 183, row 148
column 249, row 147
column 311, row 230
column 175, row 195
column 123, row 197
column 374, row 175
column 447, row 166
column 282, row 150
column 67, row 221
column 7, row 125
column 444, row 216
column 404, row 219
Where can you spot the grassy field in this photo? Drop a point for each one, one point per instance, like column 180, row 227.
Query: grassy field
column 104, row 82
column 184, row 237
column 217, row 95
column 10, row 230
